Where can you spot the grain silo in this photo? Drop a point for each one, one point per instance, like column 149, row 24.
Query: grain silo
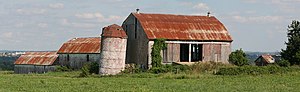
column 113, row 50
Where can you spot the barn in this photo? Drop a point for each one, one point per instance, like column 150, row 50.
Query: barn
column 189, row 38
column 264, row 60
column 36, row 62
column 78, row 51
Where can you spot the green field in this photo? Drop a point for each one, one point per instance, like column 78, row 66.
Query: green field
column 58, row 81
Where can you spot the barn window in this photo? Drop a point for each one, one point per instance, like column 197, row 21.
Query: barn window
column 87, row 58
column 135, row 28
column 68, row 57
column 190, row 52
column 196, row 52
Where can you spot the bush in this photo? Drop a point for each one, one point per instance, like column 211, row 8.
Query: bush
column 84, row 71
column 132, row 68
column 62, row 69
column 256, row 70
column 238, row 58
column 206, row 67
column 283, row 63
column 93, row 68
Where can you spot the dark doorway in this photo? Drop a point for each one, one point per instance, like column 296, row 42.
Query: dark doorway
column 196, row 52
column 184, row 52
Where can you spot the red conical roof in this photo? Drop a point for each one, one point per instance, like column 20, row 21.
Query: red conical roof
column 114, row 31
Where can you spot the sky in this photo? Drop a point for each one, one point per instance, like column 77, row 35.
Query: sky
column 39, row 25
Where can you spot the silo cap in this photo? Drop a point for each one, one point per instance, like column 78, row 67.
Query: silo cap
column 114, row 31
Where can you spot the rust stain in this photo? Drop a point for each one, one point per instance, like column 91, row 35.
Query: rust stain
column 182, row 27
column 37, row 58
column 114, row 31
column 81, row 45
column 268, row 58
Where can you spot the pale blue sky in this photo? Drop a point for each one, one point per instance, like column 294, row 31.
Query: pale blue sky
column 255, row 25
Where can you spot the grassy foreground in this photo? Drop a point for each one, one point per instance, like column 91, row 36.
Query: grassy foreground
column 58, row 81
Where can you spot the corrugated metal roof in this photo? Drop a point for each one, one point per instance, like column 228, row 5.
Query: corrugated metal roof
column 114, row 31
column 81, row 45
column 183, row 27
column 37, row 58
column 268, row 58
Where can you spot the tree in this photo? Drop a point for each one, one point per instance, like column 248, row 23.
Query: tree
column 238, row 57
column 292, row 52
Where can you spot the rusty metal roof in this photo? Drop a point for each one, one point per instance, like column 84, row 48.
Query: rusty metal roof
column 37, row 58
column 81, row 45
column 183, row 27
column 268, row 58
column 114, row 31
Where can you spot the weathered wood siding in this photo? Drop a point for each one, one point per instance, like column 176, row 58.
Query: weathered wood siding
column 216, row 52
column 171, row 53
column 25, row 69
column 137, row 42
column 76, row 61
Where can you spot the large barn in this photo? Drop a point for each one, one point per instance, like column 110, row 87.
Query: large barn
column 78, row 51
column 189, row 38
column 36, row 62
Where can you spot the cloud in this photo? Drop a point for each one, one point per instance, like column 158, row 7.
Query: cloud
column 250, row 1
column 257, row 19
column 201, row 6
column 98, row 16
column 56, row 6
column 7, row 35
column 66, row 22
column 42, row 25
column 19, row 25
column 31, row 11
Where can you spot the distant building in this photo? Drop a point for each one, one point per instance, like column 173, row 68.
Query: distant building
column 264, row 60
column 189, row 38
column 78, row 51
column 36, row 62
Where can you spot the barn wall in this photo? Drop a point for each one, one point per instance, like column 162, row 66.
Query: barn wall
column 25, row 69
column 216, row 52
column 76, row 61
column 137, row 43
column 171, row 53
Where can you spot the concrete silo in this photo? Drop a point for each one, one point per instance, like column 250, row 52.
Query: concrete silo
column 113, row 50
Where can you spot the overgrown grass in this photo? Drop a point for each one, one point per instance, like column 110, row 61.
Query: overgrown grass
column 67, row 81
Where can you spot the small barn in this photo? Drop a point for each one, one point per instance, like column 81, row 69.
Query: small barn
column 36, row 62
column 264, row 60
column 78, row 51
column 189, row 38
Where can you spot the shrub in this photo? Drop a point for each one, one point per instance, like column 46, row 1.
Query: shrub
column 256, row 70
column 206, row 67
column 62, row 69
column 238, row 58
column 132, row 68
column 93, row 68
column 84, row 71
column 283, row 63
